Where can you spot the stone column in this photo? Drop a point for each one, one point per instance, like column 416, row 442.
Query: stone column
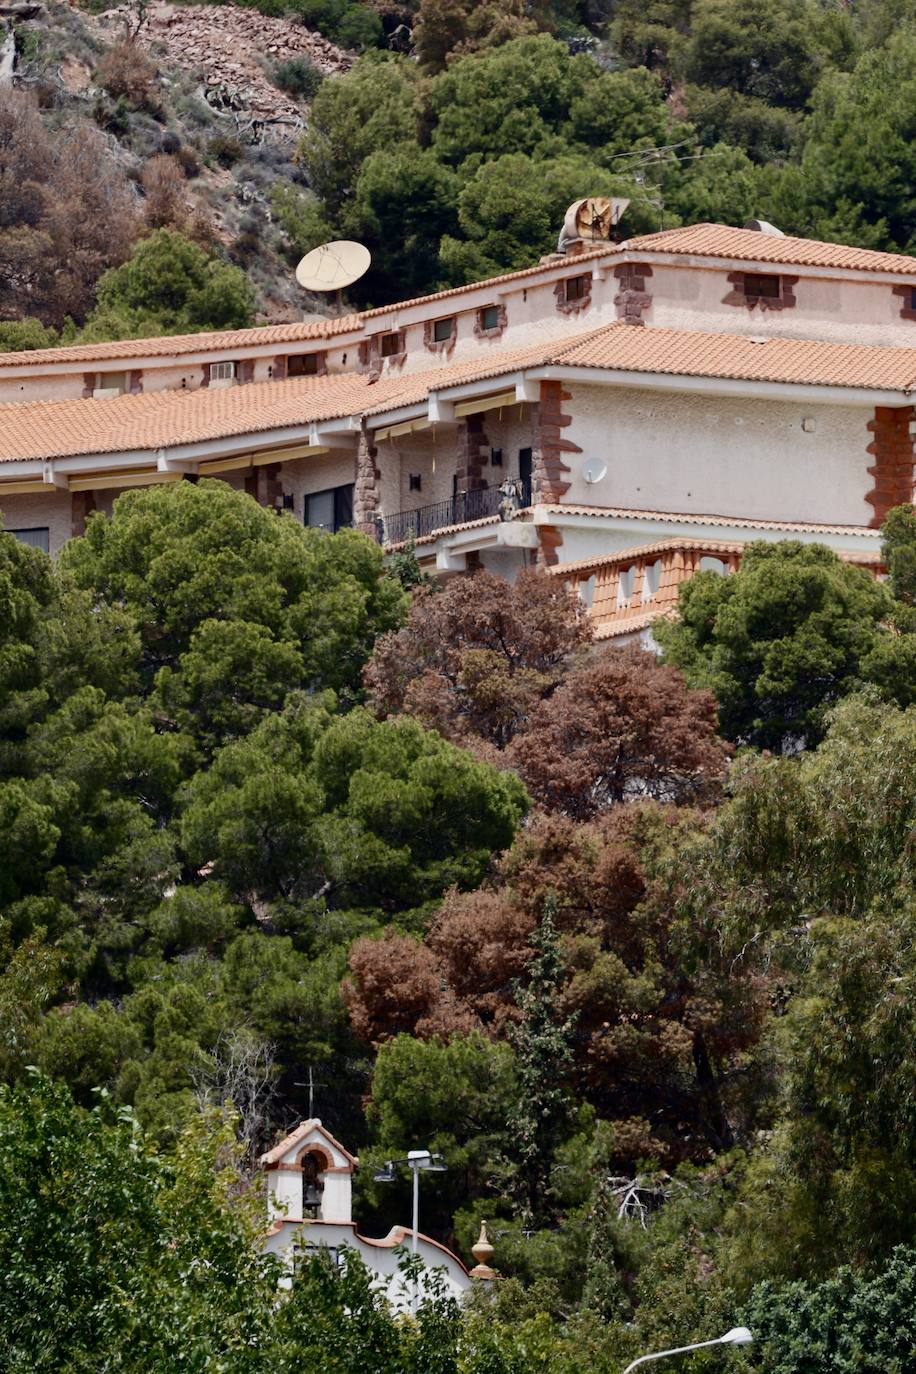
column 82, row 503
column 365, row 494
column 892, row 450
column 548, row 466
column 473, row 451
column 264, row 484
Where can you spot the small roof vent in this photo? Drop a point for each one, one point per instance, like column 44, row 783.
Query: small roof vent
column 763, row 227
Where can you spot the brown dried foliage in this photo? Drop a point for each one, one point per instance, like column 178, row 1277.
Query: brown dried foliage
column 477, row 656
column 67, row 213
column 125, row 72
column 621, row 728
column 662, row 1027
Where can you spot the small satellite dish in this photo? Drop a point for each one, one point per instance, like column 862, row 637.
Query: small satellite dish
column 594, row 471
column 332, row 266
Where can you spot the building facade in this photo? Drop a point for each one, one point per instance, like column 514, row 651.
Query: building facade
column 621, row 415
column 310, row 1208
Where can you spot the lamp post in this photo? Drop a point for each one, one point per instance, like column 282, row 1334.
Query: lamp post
column 739, row 1335
column 415, row 1161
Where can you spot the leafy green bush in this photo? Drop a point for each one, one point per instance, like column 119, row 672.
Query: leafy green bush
column 169, row 285
column 19, row 335
column 351, row 25
column 298, row 77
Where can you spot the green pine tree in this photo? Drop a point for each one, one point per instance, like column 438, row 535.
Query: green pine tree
column 542, row 1114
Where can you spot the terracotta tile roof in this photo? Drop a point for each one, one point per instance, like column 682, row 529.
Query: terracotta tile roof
column 445, row 531
column 163, row 419
column 689, row 353
column 302, row 1130
column 176, row 345
column 612, row 629
column 732, row 521
column 749, row 245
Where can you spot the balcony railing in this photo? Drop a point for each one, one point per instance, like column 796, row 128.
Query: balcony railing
column 464, row 506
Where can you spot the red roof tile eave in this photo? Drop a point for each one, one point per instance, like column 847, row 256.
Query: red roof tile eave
column 724, row 242
column 177, row 346
column 174, row 418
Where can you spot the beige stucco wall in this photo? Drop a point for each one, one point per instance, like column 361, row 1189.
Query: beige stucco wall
column 864, row 312
column 66, row 387
column 716, row 455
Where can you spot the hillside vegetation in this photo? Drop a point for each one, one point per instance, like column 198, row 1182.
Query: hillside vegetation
column 630, row 941
column 452, row 146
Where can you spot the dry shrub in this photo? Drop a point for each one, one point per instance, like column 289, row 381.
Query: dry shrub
column 163, row 183
column 165, row 200
column 63, row 201
column 125, row 71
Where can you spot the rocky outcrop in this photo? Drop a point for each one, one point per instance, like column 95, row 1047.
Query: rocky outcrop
column 233, row 50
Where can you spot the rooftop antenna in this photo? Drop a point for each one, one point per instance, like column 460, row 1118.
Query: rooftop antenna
column 332, row 266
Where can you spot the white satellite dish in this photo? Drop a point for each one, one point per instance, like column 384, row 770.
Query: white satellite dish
column 594, row 471
column 332, row 266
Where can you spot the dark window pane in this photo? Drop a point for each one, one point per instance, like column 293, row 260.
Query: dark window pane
column 343, row 507
column 576, row 288
column 442, row 330
column 757, row 286
column 330, row 510
column 36, row 539
column 391, row 344
column 319, row 510
column 302, row 364
column 489, row 317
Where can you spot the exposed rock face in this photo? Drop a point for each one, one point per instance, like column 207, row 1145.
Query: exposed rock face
column 231, row 48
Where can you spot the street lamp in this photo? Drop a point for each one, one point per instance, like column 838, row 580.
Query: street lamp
column 739, row 1335
column 415, row 1161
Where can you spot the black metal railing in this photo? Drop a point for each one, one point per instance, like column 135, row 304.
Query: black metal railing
column 463, row 507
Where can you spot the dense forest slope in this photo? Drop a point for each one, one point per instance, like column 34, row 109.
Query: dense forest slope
column 451, row 146
column 284, row 831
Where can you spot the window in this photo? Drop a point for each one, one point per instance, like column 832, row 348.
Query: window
column 758, row 287
column 414, row 481
column 912, row 291
column 110, row 384
column 36, row 539
column 577, row 288
column 443, row 329
column 489, row 317
column 304, row 364
column 222, row 374
column 390, row 344
column 330, row 510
